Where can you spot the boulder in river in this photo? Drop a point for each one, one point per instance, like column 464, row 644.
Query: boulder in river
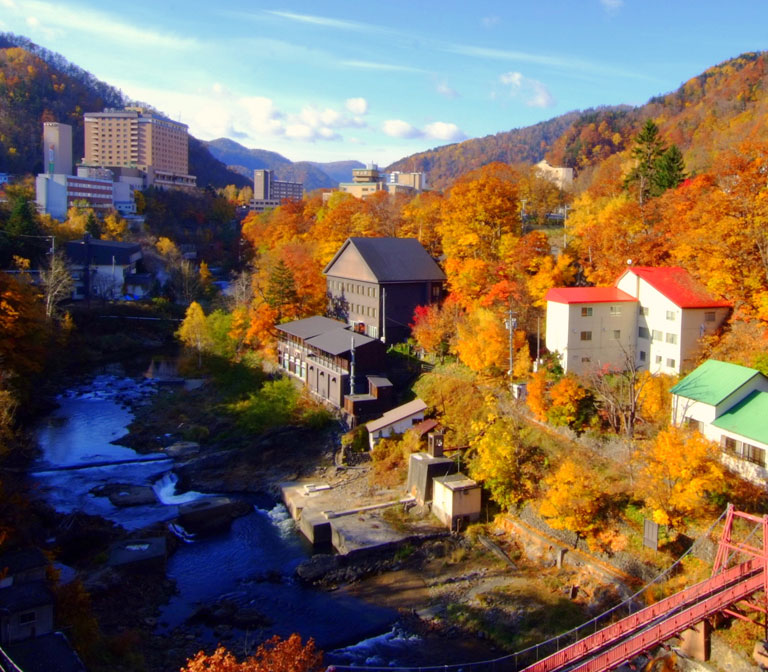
column 210, row 514
column 122, row 494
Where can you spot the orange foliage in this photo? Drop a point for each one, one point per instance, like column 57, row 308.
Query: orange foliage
column 275, row 655
column 538, row 398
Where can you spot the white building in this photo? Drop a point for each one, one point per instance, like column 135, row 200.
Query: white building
column 103, row 267
column 728, row 404
column 396, row 421
column 655, row 315
column 456, row 500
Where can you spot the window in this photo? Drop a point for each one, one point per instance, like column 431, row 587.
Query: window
column 709, row 316
column 586, row 335
column 658, row 359
column 586, row 312
column 753, row 454
column 617, row 334
column 27, row 618
column 670, row 314
column 670, row 363
column 643, row 332
column 656, row 335
column 586, row 360
column 672, row 338
column 615, row 310
column 642, row 355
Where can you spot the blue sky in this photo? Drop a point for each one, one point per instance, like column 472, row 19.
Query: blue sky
column 377, row 81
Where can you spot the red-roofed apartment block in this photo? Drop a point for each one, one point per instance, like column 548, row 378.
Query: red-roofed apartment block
column 654, row 315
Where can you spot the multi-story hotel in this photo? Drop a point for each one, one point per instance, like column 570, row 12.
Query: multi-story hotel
column 369, row 180
column 141, row 139
column 269, row 192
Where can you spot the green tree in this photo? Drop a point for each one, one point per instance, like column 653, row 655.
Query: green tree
column 646, row 153
column 670, row 171
column 281, row 290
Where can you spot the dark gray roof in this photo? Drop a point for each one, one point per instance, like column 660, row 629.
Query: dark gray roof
column 21, row 561
column 21, row 596
column 48, row 653
column 101, row 252
column 339, row 341
column 310, row 326
column 394, row 259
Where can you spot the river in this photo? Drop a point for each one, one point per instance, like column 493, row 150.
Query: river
column 251, row 565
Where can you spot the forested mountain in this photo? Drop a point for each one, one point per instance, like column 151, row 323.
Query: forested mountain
column 717, row 109
column 530, row 144
column 314, row 175
column 38, row 85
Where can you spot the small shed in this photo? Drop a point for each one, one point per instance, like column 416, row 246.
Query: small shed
column 456, row 500
column 26, row 610
column 396, row 421
column 422, row 469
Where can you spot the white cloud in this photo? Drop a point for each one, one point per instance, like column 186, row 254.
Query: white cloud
column 100, row 24
column 397, row 128
column 10, row 4
column 357, row 106
column 533, row 92
column 612, row 5
column 33, row 22
column 388, row 67
column 324, row 21
column 490, row 21
column 441, row 130
column 444, row 90
column 438, row 130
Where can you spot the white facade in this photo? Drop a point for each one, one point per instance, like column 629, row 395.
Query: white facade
column 456, row 500
column 397, row 421
column 591, row 335
column 728, row 405
column 664, row 314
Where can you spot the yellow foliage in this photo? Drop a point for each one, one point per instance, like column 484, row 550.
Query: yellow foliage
column 483, row 342
column 681, row 470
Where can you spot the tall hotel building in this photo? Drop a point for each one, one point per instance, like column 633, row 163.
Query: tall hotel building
column 137, row 138
column 269, row 192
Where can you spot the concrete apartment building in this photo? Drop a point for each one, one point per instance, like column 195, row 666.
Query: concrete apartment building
column 140, row 139
column 369, row 180
column 269, row 192
column 57, row 148
column 654, row 314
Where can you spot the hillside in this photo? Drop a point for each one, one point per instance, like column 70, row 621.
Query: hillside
column 444, row 164
column 38, row 85
column 312, row 174
column 714, row 110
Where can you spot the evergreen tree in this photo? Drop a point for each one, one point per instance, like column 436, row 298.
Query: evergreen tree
column 670, row 171
column 92, row 225
column 646, row 152
column 281, row 289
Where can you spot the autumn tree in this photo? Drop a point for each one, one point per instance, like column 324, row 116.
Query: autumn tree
column 114, row 226
column 482, row 342
column 507, row 463
column 274, row 655
column 434, row 327
column 537, row 398
column 193, row 331
column 569, row 403
column 575, row 499
column 681, row 470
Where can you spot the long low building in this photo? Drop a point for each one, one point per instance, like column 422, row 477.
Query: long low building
column 329, row 357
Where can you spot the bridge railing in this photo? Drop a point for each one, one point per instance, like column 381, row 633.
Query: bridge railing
column 526, row 657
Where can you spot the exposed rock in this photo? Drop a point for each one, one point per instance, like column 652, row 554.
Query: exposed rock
column 317, row 567
column 212, row 514
column 123, row 494
column 183, row 449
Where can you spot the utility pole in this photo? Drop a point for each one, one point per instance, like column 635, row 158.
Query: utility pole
column 352, row 366
column 511, row 324
column 565, row 225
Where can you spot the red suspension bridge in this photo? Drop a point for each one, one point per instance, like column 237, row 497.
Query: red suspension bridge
column 739, row 574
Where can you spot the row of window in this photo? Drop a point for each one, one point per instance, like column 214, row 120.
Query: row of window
column 587, row 335
column 586, row 311
column 743, row 450
column 657, row 335
column 362, row 310
column 354, row 288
